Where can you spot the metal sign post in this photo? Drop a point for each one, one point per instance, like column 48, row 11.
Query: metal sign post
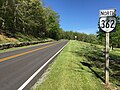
column 107, row 23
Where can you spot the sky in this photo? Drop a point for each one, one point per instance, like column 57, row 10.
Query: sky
column 81, row 15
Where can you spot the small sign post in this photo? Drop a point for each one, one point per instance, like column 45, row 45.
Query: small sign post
column 75, row 37
column 107, row 23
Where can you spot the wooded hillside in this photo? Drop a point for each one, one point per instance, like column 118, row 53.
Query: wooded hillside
column 30, row 19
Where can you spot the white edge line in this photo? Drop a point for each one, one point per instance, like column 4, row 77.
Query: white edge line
column 30, row 79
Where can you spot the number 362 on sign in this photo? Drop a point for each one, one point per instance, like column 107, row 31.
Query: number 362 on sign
column 107, row 24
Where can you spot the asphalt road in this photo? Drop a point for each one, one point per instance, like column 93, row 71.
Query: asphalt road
column 17, row 66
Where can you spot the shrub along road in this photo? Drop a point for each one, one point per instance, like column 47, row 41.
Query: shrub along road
column 19, row 65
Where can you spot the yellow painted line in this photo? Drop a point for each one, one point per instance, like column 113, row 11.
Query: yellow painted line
column 17, row 55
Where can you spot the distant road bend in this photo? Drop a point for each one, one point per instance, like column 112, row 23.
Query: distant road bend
column 20, row 69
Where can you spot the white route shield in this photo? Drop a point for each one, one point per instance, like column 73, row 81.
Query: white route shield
column 107, row 24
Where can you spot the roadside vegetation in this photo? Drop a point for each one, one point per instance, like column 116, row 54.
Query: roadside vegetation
column 30, row 20
column 80, row 66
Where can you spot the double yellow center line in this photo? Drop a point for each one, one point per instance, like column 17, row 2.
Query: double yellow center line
column 20, row 54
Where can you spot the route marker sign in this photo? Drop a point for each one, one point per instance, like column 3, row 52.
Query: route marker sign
column 107, row 22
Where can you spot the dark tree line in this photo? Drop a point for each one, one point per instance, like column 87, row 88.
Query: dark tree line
column 30, row 17
column 90, row 38
column 99, row 38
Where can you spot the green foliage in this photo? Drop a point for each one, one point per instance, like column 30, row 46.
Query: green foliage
column 30, row 18
column 52, row 22
column 90, row 38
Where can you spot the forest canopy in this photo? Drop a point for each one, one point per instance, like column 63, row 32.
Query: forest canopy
column 30, row 17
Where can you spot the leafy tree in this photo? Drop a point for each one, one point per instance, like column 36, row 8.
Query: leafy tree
column 52, row 22
column 29, row 17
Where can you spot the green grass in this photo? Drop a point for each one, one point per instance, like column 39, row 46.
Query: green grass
column 115, row 66
column 80, row 66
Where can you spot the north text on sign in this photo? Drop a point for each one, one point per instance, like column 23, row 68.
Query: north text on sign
column 106, row 13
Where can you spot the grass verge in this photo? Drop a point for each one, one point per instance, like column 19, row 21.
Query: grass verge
column 80, row 66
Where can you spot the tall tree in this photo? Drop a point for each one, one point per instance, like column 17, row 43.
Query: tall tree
column 52, row 22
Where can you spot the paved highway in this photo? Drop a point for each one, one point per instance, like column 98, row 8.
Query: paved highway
column 17, row 67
